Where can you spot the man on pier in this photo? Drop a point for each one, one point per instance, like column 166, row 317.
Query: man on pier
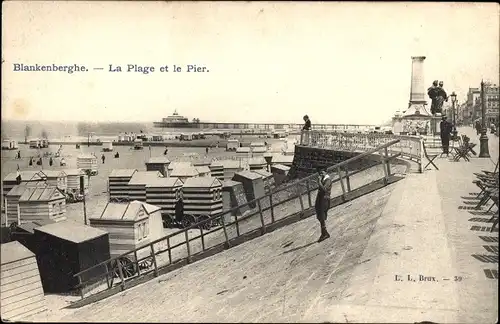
column 323, row 201
column 445, row 130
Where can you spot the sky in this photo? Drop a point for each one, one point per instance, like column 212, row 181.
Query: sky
column 267, row 62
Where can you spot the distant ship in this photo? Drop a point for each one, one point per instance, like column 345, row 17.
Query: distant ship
column 176, row 121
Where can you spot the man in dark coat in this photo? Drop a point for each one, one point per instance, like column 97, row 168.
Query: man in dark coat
column 323, row 201
column 179, row 210
column 445, row 129
column 307, row 123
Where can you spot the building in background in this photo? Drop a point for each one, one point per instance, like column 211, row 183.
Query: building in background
column 491, row 93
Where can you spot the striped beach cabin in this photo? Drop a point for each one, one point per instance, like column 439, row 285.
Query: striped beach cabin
column 118, row 181
column 231, row 167
column 21, row 291
column 164, row 192
column 130, row 225
column 87, row 162
column 10, row 181
column 202, row 196
column 158, row 163
column 42, row 203
column 138, row 182
column 217, row 170
column 73, row 182
column 57, row 178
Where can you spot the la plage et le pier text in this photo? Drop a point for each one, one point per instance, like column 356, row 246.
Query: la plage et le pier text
column 133, row 68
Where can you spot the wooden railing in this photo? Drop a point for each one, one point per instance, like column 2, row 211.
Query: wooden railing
column 270, row 211
column 410, row 147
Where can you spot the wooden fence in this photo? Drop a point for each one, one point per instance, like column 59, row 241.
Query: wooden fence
column 282, row 206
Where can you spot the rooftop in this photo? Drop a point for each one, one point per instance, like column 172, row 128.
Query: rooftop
column 202, row 182
column 19, row 189
column 122, row 172
column 248, row 174
column 42, row 194
column 30, row 226
column 144, row 177
column 74, row 172
column 202, row 169
column 179, row 164
column 159, row 160
column 14, row 251
column 26, row 175
column 52, row 173
column 126, row 211
column 165, row 182
column 71, row 231
column 189, row 171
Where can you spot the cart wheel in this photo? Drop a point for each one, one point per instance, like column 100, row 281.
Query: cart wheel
column 207, row 225
column 146, row 264
column 168, row 221
column 13, row 227
column 188, row 220
column 128, row 268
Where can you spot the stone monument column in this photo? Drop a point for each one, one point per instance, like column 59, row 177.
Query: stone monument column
column 417, row 92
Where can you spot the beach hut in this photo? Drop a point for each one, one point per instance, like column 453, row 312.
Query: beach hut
column 107, row 146
column 9, row 144
column 130, row 225
column 12, row 201
column 252, row 183
column 233, row 194
column 267, row 177
column 35, row 143
column 44, row 143
column 138, row 182
column 88, row 163
column 157, row 138
column 158, row 163
column 257, row 163
column 217, row 170
column 57, row 178
column 231, row 167
column 42, row 203
column 164, row 192
column 232, row 145
column 280, row 173
column 118, row 181
column 66, row 248
column 21, row 291
column 10, row 180
column 202, row 196
column 203, row 171
column 73, row 182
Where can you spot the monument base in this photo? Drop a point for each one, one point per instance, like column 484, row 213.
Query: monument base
column 435, row 129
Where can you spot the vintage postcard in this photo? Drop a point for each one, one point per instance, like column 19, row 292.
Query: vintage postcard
column 177, row 161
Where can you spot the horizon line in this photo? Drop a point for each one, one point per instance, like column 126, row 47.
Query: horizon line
column 152, row 122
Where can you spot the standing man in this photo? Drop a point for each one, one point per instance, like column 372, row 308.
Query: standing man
column 103, row 157
column 323, row 201
column 445, row 128
column 306, row 136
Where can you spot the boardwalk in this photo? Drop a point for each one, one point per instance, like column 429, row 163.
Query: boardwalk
column 414, row 227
